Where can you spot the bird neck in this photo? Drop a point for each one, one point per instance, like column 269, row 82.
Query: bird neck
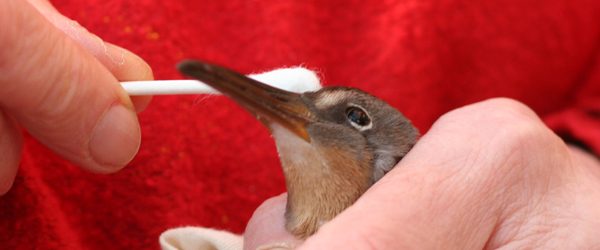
column 321, row 180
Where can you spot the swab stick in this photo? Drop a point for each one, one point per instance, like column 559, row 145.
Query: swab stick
column 167, row 87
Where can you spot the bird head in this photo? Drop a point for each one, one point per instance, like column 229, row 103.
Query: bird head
column 333, row 143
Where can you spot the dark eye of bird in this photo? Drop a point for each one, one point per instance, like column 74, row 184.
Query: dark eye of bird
column 358, row 116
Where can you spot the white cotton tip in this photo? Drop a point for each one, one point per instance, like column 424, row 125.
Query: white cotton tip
column 291, row 79
column 297, row 79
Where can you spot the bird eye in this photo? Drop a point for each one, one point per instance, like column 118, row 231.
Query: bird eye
column 358, row 117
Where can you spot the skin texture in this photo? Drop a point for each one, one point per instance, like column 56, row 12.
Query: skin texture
column 502, row 180
column 60, row 83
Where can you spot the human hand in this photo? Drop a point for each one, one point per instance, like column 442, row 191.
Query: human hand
column 60, row 82
column 486, row 176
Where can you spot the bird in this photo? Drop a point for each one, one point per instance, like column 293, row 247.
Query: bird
column 333, row 143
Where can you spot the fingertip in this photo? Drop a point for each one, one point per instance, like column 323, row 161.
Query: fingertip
column 115, row 139
column 271, row 213
column 140, row 103
column 125, row 65
column 276, row 202
column 11, row 148
column 267, row 225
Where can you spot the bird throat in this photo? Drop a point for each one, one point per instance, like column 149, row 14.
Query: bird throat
column 316, row 193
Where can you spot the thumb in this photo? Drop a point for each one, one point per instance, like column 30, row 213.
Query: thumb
column 267, row 227
column 62, row 94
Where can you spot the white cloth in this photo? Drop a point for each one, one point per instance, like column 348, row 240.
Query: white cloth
column 197, row 238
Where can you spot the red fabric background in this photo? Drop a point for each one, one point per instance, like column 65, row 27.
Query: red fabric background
column 205, row 162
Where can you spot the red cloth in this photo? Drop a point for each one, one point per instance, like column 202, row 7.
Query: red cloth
column 204, row 161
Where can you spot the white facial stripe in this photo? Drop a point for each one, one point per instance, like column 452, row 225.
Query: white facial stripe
column 329, row 99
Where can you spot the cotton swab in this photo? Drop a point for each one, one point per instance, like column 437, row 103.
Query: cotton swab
column 167, row 87
column 291, row 79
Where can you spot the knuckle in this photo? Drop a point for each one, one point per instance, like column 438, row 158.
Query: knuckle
column 519, row 127
column 504, row 121
column 505, row 136
column 523, row 147
column 507, row 111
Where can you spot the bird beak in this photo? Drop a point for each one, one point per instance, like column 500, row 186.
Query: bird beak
column 267, row 104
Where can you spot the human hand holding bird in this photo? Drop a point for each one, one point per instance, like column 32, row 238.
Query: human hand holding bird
column 485, row 176
column 489, row 175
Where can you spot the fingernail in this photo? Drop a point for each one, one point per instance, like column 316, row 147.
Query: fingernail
column 116, row 139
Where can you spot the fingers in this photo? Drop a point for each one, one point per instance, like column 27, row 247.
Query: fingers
column 127, row 67
column 266, row 227
column 123, row 64
column 11, row 146
column 465, row 177
column 486, row 176
column 62, row 94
